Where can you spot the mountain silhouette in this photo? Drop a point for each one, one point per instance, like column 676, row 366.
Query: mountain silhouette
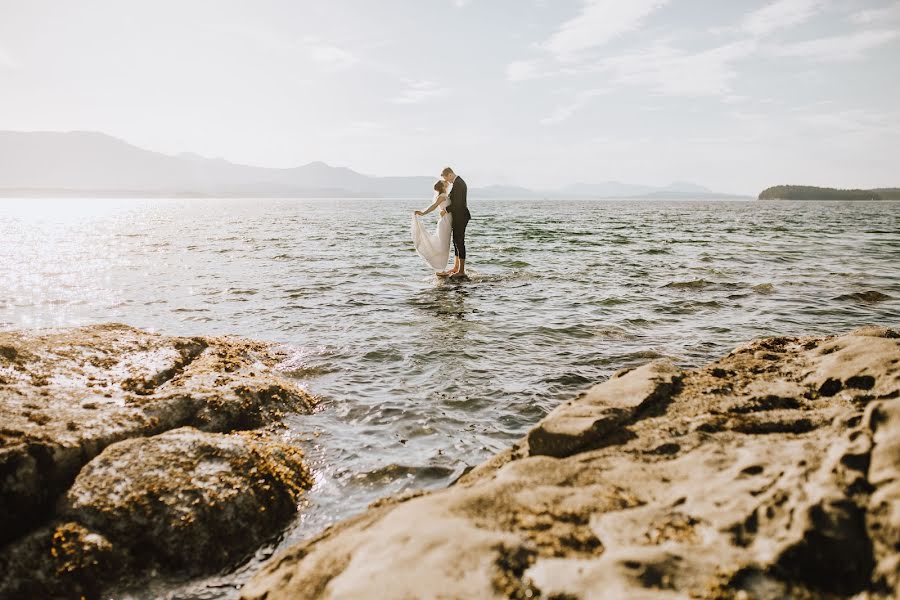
column 86, row 163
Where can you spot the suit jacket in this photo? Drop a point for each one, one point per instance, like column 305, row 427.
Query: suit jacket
column 458, row 206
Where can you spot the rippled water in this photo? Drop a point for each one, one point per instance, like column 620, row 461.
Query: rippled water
column 418, row 378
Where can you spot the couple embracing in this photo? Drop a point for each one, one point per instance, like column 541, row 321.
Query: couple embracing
column 435, row 247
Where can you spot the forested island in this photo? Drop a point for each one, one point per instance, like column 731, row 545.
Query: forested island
column 809, row 192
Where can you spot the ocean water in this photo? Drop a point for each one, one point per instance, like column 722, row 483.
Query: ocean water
column 418, row 378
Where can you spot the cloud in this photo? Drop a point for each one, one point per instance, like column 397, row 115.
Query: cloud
column 359, row 130
column 600, row 21
column 837, row 48
column 332, row 57
column 522, row 70
column 673, row 72
column 880, row 15
column 260, row 37
column 581, row 100
column 6, row 60
column 419, row 91
column 853, row 121
column 326, row 56
column 780, row 14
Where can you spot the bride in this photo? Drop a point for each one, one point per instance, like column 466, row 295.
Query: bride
column 434, row 247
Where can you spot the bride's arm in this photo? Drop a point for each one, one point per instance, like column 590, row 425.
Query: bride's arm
column 430, row 208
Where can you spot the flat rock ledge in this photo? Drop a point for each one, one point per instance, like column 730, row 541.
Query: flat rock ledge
column 771, row 473
column 126, row 453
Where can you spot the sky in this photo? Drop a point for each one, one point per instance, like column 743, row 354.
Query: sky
column 736, row 96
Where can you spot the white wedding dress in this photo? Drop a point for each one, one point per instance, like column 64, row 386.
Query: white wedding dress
column 434, row 247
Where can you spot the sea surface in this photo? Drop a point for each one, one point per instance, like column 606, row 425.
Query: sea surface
column 420, row 379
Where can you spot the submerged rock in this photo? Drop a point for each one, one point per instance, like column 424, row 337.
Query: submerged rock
column 771, row 473
column 869, row 296
column 110, row 462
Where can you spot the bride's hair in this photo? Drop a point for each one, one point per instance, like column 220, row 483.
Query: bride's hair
column 440, row 186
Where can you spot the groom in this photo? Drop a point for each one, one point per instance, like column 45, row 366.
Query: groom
column 460, row 211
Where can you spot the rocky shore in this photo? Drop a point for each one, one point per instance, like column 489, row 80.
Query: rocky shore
column 127, row 454
column 771, row 473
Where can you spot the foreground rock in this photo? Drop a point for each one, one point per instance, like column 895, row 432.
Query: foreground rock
column 184, row 501
column 772, row 473
column 111, row 463
column 189, row 498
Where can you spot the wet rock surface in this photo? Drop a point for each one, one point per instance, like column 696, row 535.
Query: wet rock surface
column 191, row 499
column 771, row 473
column 126, row 452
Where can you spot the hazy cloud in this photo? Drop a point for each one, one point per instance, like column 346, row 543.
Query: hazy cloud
column 359, row 129
column 600, row 21
column 581, row 100
column 419, row 91
column 263, row 38
column 674, row 72
column 521, row 70
column 877, row 15
column 780, row 14
column 6, row 60
column 327, row 56
column 332, row 57
column 836, row 48
column 848, row 122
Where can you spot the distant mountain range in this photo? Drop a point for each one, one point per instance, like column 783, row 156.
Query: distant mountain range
column 83, row 163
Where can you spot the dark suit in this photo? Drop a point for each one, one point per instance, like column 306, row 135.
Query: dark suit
column 460, row 211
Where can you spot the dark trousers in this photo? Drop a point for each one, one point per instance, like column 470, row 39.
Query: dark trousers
column 459, row 237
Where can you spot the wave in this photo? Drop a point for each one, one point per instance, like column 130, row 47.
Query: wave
column 573, row 331
column 570, row 379
column 703, row 284
column 696, row 284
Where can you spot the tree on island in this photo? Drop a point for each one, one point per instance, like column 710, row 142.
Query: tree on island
column 808, row 192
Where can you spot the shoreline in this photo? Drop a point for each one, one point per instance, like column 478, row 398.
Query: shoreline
column 520, row 521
